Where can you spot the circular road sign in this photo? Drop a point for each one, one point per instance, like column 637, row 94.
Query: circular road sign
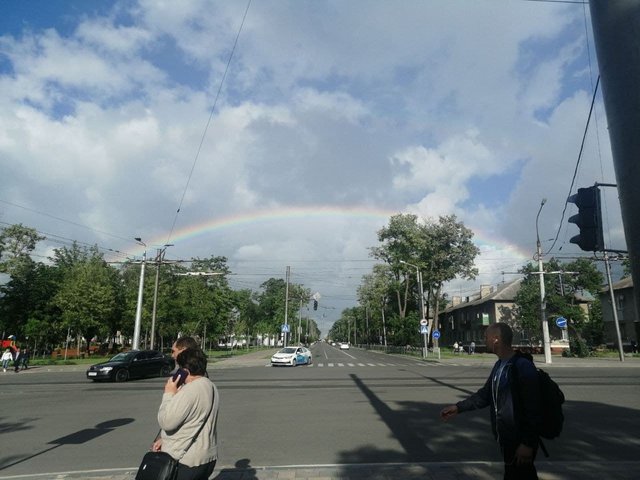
column 561, row 322
column 423, row 321
column 436, row 334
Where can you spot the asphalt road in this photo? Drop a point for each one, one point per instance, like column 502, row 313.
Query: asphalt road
column 347, row 407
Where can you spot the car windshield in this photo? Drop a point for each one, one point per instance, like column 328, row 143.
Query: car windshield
column 120, row 357
column 288, row 350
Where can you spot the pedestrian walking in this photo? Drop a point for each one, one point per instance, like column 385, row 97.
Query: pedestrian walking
column 17, row 358
column 472, row 348
column 6, row 359
column 26, row 354
column 188, row 419
column 513, row 393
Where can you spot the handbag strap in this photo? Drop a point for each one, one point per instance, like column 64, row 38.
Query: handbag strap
column 213, row 401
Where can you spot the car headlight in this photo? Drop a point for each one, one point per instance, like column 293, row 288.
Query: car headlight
column 106, row 369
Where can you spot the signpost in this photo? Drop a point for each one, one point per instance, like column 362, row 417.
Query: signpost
column 424, row 330
column 436, row 336
column 561, row 322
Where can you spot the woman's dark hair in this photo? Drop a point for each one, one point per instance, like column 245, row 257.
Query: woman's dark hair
column 194, row 360
column 186, row 342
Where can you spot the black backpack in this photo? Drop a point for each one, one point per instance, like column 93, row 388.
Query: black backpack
column 551, row 400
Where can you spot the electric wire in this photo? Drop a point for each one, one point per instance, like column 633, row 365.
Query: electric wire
column 206, row 128
column 575, row 171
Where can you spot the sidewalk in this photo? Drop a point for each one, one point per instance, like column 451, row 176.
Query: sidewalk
column 401, row 471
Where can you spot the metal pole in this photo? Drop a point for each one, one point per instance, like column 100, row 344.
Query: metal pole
column 155, row 297
column 384, row 326
column 299, row 320
column 136, row 328
column 614, row 307
column 615, row 29
column 286, row 306
column 543, row 302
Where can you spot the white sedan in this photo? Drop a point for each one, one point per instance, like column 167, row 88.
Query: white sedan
column 292, row 356
column 344, row 346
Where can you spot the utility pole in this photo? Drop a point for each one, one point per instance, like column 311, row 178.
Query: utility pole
column 615, row 28
column 159, row 257
column 543, row 300
column 286, row 306
column 136, row 327
column 614, row 307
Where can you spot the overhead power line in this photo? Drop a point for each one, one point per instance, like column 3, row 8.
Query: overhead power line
column 204, row 133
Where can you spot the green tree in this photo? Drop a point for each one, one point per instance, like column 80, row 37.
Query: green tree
column 17, row 242
column 441, row 251
column 560, row 296
column 88, row 299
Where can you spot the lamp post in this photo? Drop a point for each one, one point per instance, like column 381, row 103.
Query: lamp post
column 136, row 328
column 543, row 303
column 159, row 257
column 421, row 293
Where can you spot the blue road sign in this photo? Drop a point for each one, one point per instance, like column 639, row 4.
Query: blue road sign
column 561, row 322
column 424, row 329
column 285, row 328
column 436, row 334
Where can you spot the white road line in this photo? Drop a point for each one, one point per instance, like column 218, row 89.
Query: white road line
column 341, row 364
column 351, row 364
column 331, row 364
column 361, row 364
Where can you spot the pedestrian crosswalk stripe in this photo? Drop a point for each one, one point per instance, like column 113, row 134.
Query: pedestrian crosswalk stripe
column 421, row 364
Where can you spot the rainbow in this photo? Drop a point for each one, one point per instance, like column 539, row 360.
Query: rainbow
column 378, row 216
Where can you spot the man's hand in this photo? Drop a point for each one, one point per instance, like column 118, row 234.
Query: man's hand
column 157, row 445
column 524, row 454
column 448, row 412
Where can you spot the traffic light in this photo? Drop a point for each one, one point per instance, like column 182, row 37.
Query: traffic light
column 588, row 219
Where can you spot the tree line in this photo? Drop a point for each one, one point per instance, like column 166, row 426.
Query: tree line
column 389, row 298
column 76, row 293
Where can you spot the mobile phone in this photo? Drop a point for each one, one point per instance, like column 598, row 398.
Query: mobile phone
column 181, row 375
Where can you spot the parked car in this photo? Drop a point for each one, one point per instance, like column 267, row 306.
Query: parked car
column 134, row 364
column 292, row 356
column 344, row 346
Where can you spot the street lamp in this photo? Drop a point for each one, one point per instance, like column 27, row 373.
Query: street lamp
column 136, row 328
column 159, row 257
column 419, row 278
column 543, row 305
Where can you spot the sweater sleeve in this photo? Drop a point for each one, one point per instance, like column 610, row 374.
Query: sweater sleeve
column 173, row 412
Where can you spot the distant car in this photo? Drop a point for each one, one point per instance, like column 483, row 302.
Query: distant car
column 134, row 364
column 292, row 356
column 344, row 346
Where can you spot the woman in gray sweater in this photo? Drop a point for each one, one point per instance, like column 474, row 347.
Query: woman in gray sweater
column 182, row 412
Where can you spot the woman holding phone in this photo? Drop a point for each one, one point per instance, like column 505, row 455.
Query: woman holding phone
column 189, row 410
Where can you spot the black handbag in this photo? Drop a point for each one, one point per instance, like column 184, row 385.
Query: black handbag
column 157, row 466
column 161, row 465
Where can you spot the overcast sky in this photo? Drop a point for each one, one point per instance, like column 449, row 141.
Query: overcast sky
column 333, row 116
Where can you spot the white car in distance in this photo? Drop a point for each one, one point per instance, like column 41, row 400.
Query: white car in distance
column 344, row 346
column 292, row 356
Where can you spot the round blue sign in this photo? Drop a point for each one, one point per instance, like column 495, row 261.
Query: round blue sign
column 561, row 322
column 436, row 334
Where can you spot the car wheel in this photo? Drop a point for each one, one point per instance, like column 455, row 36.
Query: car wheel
column 310, row 361
column 122, row 375
column 293, row 362
column 165, row 371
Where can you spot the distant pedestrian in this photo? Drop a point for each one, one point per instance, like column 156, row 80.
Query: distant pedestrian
column 17, row 358
column 26, row 354
column 472, row 348
column 6, row 359
column 455, row 347
column 513, row 393
column 182, row 344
